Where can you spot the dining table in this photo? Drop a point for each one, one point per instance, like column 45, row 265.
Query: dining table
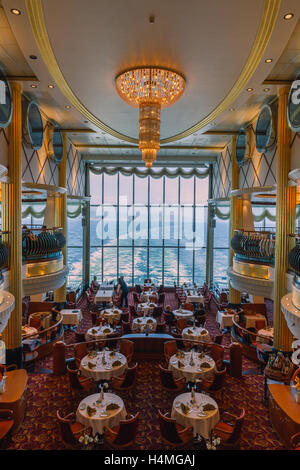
column 146, row 307
column 71, row 316
column 103, row 295
column 197, row 333
column 192, row 366
column 182, row 313
column 141, row 323
column 97, row 332
column 99, row 415
column 194, row 297
column 225, row 318
column 193, row 413
column 103, row 365
column 111, row 314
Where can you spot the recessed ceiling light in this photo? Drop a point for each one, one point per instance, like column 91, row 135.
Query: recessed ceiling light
column 268, row 61
column 15, row 11
column 86, row 122
column 67, row 106
column 33, row 86
column 249, row 89
column 266, row 90
column 33, row 57
column 50, row 86
column 231, row 109
column 288, row 16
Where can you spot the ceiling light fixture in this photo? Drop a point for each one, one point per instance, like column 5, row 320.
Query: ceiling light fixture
column 50, row 86
column 15, row 11
column 68, row 106
column 249, row 89
column 33, row 57
column 33, row 86
column 288, row 16
column 150, row 89
column 266, row 90
column 268, row 61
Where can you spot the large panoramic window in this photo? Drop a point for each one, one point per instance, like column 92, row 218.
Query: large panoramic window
column 148, row 227
column 75, row 244
column 221, row 246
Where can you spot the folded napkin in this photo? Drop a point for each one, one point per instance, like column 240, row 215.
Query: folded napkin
column 189, row 332
column 180, row 364
column 201, row 355
column 179, row 354
column 90, row 411
column 116, row 363
column 112, row 406
column 94, row 331
column 112, row 353
column 205, row 365
column 184, row 408
column 209, row 407
column 92, row 354
column 203, row 332
column 115, row 311
column 91, row 365
column 139, row 321
column 106, row 330
column 149, row 321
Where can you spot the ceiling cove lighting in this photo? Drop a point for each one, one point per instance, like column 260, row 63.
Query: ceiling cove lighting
column 150, row 89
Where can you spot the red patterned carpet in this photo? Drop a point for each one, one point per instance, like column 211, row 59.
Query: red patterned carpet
column 47, row 393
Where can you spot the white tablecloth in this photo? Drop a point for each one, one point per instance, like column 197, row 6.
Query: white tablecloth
column 103, row 295
column 29, row 330
column 183, row 314
column 97, row 332
column 267, row 334
column 139, row 324
column 192, row 296
column 148, row 294
column 111, row 314
column 194, row 332
column 224, row 319
column 103, row 371
column 202, row 425
column 146, row 308
column 97, row 422
column 71, row 316
column 251, row 320
column 192, row 373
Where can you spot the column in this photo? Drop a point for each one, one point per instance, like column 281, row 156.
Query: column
column 86, row 229
column 235, row 216
column 210, row 233
column 285, row 222
column 11, row 222
column 61, row 215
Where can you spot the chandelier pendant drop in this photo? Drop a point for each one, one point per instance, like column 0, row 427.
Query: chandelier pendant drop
column 150, row 89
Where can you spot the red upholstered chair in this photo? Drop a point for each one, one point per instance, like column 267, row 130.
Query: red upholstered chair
column 80, row 384
column 161, row 299
column 218, row 339
column 217, row 352
column 170, row 348
column 6, row 423
column 147, row 281
column 80, row 350
column 70, row 429
column 215, row 384
column 169, row 383
column 133, row 312
column 173, row 434
column 188, row 306
column 35, row 322
column 136, row 298
column 124, row 435
column 157, row 312
column 125, row 382
column 126, row 328
column 295, row 441
column 127, row 348
column 181, row 325
column 161, row 326
column 229, row 430
column 125, row 316
column 260, row 324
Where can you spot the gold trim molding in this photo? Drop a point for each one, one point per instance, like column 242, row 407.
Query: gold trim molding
column 267, row 23
column 44, row 267
column 257, row 271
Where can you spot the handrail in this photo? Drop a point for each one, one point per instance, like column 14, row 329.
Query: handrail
column 48, row 243
column 254, row 245
column 247, row 331
column 42, row 332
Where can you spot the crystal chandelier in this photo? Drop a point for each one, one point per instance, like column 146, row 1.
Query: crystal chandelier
column 150, row 89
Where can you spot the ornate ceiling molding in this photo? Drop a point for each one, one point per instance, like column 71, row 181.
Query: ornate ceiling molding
column 267, row 23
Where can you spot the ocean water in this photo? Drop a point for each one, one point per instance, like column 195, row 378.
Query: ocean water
column 133, row 262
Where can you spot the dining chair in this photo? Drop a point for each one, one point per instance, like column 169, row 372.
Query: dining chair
column 157, row 312
column 70, row 429
column 229, row 430
column 80, row 350
column 123, row 435
column 126, row 328
column 295, row 441
column 214, row 384
column 181, row 325
column 127, row 348
column 172, row 433
column 188, row 306
column 79, row 384
column 127, row 381
column 169, row 383
column 6, row 424
column 217, row 352
column 170, row 348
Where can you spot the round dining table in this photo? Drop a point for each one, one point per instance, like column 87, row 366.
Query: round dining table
column 101, row 417
column 197, row 333
column 146, row 307
column 140, row 323
column 29, row 330
column 102, row 367
column 111, row 314
column 97, row 332
column 190, row 367
column 182, row 313
column 203, row 422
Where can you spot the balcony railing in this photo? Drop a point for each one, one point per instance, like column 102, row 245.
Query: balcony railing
column 254, row 246
column 40, row 242
column 294, row 257
column 3, row 253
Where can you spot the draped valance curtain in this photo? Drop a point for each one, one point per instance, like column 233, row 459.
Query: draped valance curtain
column 266, row 214
column 153, row 172
column 39, row 214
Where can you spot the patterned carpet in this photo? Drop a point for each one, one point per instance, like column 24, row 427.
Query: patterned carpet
column 47, row 393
